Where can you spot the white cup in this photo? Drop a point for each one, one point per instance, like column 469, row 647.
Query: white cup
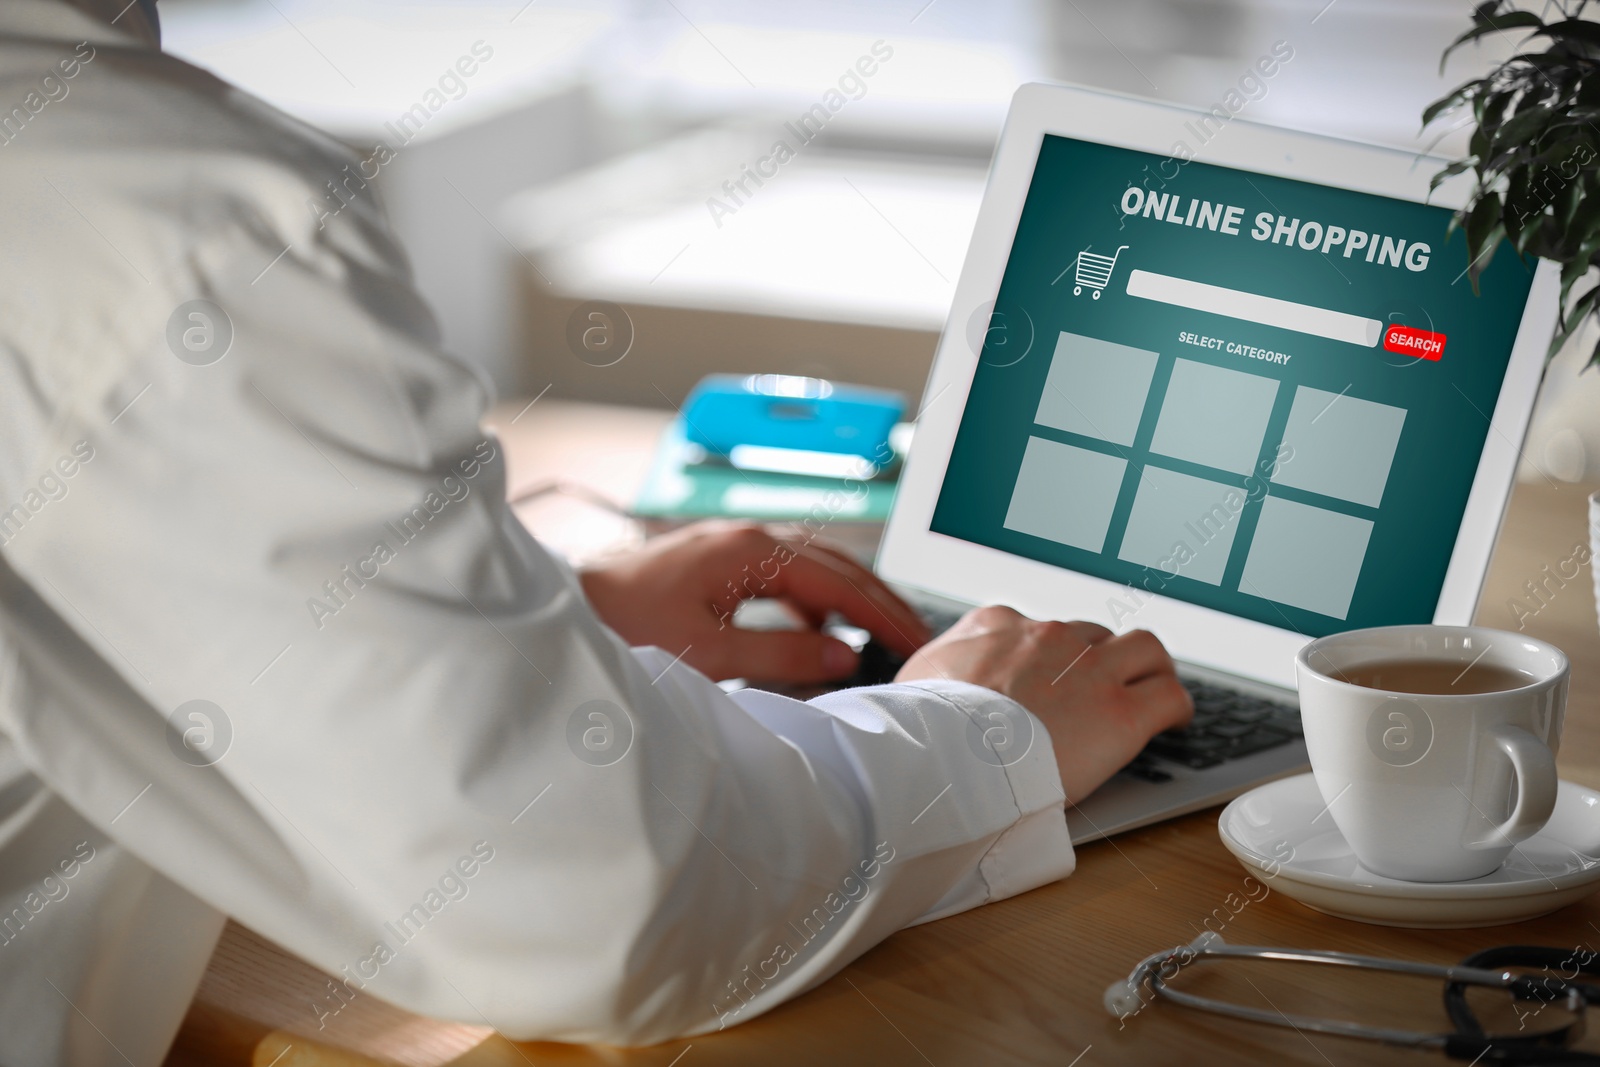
column 1433, row 787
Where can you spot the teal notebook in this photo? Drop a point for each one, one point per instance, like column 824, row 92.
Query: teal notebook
column 679, row 487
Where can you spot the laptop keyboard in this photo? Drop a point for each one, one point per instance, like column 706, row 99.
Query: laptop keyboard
column 1227, row 724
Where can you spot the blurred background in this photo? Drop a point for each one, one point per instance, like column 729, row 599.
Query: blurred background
column 596, row 152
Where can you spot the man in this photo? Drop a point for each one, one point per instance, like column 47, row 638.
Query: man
column 273, row 647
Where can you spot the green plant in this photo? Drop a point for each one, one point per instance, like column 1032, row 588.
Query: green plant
column 1533, row 149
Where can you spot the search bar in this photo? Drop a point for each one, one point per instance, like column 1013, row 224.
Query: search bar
column 1253, row 307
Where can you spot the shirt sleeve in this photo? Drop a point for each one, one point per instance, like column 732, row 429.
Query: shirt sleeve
column 281, row 638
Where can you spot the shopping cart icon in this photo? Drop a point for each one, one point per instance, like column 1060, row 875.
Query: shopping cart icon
column 1094, row 271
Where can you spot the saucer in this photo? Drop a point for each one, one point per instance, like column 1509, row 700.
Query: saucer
column 1282, row 833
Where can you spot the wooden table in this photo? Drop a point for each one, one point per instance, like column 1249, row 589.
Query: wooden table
column 1018, row 982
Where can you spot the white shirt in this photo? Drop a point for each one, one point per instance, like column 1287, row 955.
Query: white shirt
column 449, row 785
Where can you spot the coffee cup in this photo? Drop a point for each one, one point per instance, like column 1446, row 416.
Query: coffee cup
column 1433, row 746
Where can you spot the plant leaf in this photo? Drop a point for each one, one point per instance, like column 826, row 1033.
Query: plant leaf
column 1478, row 143
column 1529, row 232
column 1571, row 197
column 1487, row 23
column 1586, row 220
column 1480, row 263
column 1495, row 106
column 1533, row 148
column 1454, row 98
column 1572, row 317
column 1481, row 219
column 1580, row 30
column 1574, row 268
column 1450, row 172
column 1525, row 125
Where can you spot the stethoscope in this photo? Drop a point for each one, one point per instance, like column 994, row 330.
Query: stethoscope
column 1468, row 1041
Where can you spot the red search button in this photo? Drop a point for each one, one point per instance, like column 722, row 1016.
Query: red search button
column 1412, row 342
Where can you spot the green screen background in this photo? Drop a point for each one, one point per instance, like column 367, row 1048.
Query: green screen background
column 1072, row 205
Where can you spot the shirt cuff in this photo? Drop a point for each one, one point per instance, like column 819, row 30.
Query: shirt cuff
column 1036, row 849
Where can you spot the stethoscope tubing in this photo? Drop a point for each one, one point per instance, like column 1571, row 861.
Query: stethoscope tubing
column 1159, row 967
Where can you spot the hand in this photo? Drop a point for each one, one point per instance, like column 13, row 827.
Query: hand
column 680, row 591
column 1100, row 695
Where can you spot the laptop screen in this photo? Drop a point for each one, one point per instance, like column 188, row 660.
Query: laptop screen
column 1256, row 394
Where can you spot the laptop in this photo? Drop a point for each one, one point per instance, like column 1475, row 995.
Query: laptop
column 1221, row 381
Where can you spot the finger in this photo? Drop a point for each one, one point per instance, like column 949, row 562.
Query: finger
column 804, row 616
column 1090, row 633
column 793, row 656
column 836, row 556
column 824, row 544
column 909, row 619
column 823, row 582
column 987, row 619
column 1160, row 702
column 834, row 552
column 1135, row 655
